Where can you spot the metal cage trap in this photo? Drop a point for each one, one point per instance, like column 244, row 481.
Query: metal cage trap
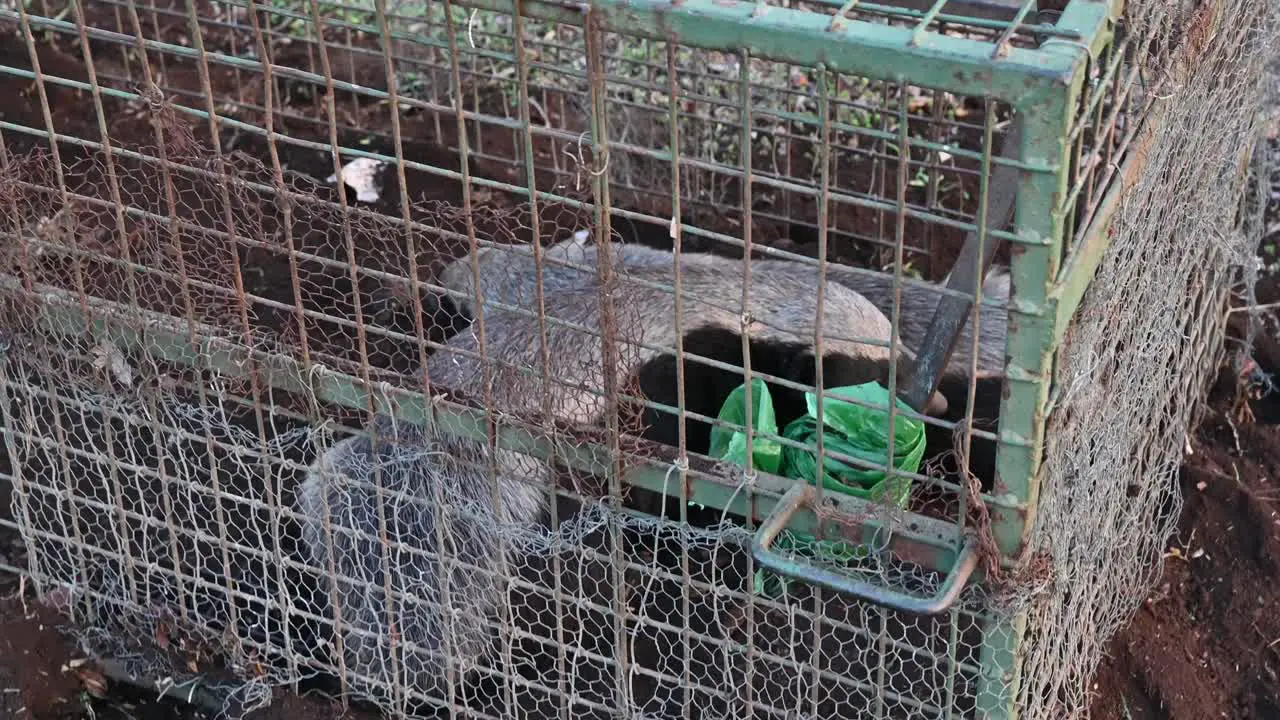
column 334, row 332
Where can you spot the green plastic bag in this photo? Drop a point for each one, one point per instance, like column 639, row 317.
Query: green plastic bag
column 731, row 445
column 860, row 432
column 850, row 429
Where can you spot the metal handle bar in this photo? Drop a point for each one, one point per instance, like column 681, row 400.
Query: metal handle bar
column 801, row 494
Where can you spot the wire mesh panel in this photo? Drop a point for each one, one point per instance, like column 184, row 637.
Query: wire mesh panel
column 1148, row 334
column 390, row 347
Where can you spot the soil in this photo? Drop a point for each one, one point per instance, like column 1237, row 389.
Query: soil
column 1206, row 643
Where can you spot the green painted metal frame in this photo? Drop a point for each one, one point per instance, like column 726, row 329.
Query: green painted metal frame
column 1038, row 309
column 1042, row 85
column 1021, row 77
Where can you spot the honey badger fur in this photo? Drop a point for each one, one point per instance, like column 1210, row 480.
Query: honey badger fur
column 515, row 285
column 421, row 472
column 507, row 275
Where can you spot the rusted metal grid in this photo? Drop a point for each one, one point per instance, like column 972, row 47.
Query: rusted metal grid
column 195, row 314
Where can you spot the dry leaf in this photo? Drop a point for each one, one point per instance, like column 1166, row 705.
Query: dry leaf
column 94, row 683
column 107, row 356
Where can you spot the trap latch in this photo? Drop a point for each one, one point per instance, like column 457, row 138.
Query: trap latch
column 953, row 309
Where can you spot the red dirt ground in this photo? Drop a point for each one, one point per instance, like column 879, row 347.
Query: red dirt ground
column 1205, row 645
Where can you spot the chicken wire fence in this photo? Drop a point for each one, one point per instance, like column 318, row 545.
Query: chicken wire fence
column 251, row 424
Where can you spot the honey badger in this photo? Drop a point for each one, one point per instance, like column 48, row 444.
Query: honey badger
column 514, row 284
column 419, row 486
column 508, row 276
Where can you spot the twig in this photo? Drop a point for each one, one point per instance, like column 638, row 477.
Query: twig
column 1235, row 434
column 546, row 119
column 190, row 692
column 1253, row 308
column 22, row 596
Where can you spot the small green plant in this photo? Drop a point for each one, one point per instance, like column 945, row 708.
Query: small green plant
column 920, row 180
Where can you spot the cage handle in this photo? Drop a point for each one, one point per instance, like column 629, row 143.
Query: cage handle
column 801, row 494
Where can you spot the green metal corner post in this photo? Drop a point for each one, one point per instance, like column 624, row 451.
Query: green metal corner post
column 1047, row 116
column 1034, row 263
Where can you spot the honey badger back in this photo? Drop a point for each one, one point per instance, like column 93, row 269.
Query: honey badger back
column 919, row 300
column 419, row 487
column 508, row 276
column 781, row 308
